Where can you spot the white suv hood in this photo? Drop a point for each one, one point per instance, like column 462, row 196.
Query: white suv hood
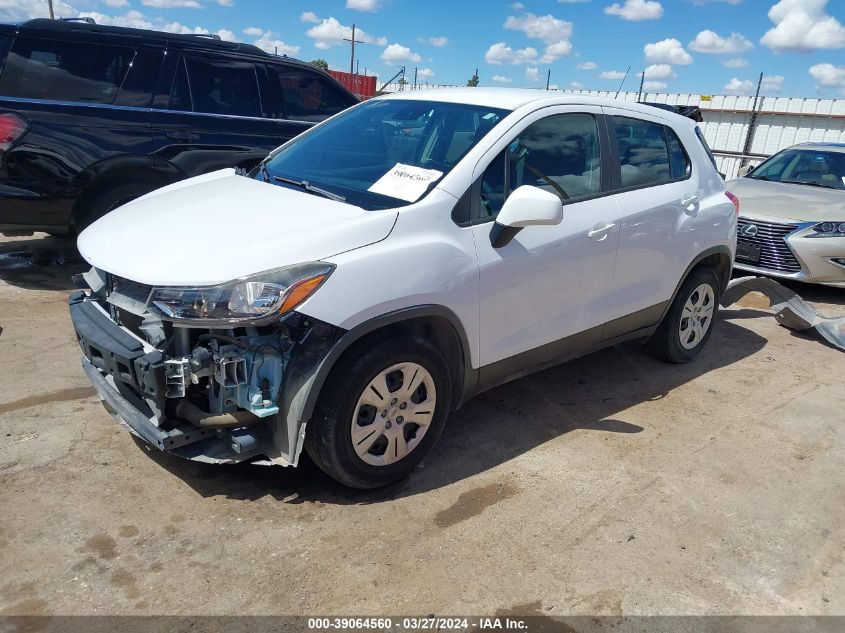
column 217, row 227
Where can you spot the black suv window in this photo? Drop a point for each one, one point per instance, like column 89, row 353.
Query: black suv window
column 309, row 97
column 223, row 86
column 65, row 71
column 5, row 45
column 559, row 153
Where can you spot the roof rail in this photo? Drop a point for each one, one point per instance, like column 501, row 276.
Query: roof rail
column 85, row 19
column 212, row 36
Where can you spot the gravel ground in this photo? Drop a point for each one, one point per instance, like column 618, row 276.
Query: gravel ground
column 611, row 485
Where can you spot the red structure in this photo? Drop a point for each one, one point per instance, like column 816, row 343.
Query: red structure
column 362, row 85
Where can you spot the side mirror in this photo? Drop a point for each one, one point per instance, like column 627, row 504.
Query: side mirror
column 526, row 206
column 744, row 171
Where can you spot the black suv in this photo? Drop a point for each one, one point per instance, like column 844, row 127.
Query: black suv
column 93, row 116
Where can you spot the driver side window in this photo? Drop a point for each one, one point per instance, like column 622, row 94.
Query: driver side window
column 559, row 153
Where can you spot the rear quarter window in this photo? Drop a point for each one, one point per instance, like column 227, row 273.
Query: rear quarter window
column 64, row 71
column 223, row 86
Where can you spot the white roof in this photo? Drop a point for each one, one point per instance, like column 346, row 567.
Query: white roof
column 513, row 98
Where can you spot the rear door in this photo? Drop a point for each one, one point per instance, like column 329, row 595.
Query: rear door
column 301, row 97
column 211, row 115
column 663, row 221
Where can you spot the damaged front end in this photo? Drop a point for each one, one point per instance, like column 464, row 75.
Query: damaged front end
column 204, row 386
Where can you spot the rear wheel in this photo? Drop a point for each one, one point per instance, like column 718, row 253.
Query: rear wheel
column 98, row 203
column 380, row 412
column 689, row 322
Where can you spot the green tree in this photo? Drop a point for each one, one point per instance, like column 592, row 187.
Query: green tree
column 472, row 82
column 322, row 64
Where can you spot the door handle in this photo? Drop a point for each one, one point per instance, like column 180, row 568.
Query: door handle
column 689, row 201
column 182, row 136
column 598, row 233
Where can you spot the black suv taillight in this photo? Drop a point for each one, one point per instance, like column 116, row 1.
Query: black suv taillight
column 12, row 127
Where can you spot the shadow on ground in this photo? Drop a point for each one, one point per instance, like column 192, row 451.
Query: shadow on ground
column 586, row 394
column 40, row 263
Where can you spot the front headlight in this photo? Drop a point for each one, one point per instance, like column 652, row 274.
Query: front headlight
column 257, row 297
column 829, row 229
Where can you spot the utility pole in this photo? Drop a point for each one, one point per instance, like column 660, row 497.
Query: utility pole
column 642, row 79
column 749, row 138
column 50, row 4
column 548, row 78
column 415, row 77
column 352, row 58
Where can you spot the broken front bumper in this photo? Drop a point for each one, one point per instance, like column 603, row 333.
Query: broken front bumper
column 130, row 376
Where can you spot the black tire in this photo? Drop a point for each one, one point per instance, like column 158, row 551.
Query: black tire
column 99, row 202
column 328, row 436
column 666, row 343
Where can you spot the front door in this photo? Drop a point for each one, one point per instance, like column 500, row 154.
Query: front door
column 549, row 282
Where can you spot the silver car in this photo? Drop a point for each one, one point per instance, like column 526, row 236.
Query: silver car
column 792, row 217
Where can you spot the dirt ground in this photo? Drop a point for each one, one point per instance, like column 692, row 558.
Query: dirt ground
column 612, row 485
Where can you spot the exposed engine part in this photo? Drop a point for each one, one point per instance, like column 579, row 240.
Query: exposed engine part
column 153, row 329
column 176, row 376
column 231, row 370
column 201, row 364
column 187, row 410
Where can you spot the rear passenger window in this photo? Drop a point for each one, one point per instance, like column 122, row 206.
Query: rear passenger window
column 559, row 153
column 139, row 85
column 64, row 71
column 180, row 93
column 5, row 45
column 223, row 86
column 679, row 165
column 643, row 152
column 308, row 97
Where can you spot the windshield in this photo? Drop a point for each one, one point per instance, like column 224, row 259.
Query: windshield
column 812, row 167
column 381, row 154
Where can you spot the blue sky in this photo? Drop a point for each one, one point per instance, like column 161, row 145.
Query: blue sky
column 696, row 46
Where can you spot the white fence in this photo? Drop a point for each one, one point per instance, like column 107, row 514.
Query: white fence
column 780, row 122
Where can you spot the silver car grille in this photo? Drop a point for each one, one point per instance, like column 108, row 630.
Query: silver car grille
column 771, row 238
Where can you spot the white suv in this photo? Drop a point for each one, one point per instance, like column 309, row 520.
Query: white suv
column 376, row 272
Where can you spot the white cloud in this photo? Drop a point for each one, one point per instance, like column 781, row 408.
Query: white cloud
column 425, row 73
column 587, row 66
column 117, row 4
column 710, row 42
column 573, row 1
column 829, row 76
column 172, row 4
column 271, row 44
column 659, row 71
column 555, row 33
column 329, row 32
column 772, row 83
column 16, row 10
column 612, row 74
column 636, row 10
column 576, row 85
column 739, row 87
column 803, row 26
column 516, row 6
column 668, row 51
column 501, row 79
column 253, row 31
column 309, row 17
column 398, row 53
column 227, row 36
column 366, row 6
column 532, row 74
column 500, row 53
column 226, row 3
column 735, row 62
column 654, row 85
column 438, row 41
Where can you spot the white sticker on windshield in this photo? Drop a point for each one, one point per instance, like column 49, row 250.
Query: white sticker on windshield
column 405, row 182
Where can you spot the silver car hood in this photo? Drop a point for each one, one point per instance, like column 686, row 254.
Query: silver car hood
column 787, row 201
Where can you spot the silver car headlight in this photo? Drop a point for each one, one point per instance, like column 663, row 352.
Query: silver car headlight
column 264, row 296
column 829, row 229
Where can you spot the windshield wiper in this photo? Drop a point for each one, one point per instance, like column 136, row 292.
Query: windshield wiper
column 814, row 184
column 310, row 188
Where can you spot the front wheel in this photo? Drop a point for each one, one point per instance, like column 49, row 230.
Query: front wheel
column 380, row 412
column 689, row 322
